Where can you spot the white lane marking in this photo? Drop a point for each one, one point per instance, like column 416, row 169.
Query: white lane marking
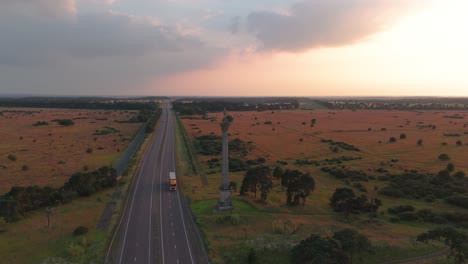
column 135, row 259
column 175, row 246
column 171, row 214
column 172, row 223
column 177, row 261
column 178, row 199
column 160, row 197
column 173, row 234
column 133, row 200
column 150, row 224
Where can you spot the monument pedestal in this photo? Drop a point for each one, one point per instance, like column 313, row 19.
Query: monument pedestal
column 224, row 202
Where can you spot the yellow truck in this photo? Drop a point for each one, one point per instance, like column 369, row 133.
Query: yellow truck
column 172, row 181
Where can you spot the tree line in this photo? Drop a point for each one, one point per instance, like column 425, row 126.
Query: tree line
column 205, row 106
column 79, row 103
column 21, row 200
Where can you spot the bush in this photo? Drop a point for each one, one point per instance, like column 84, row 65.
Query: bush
column 444, row 157
column 400, row 209
column 12, row 157
column 420, row 142
column 459, row 143
column 458, row 200
column 402, row 136
column 408, row 216
column 81, row 230
column 450, row 167
column 65, row 122
column 40, row 123
column 25, row 167
column 89, row 150
column 392, row 139
column 3, row 224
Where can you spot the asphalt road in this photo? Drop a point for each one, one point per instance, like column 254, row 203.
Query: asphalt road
column 156, row 226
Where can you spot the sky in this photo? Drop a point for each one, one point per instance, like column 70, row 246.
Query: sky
column 234, row 47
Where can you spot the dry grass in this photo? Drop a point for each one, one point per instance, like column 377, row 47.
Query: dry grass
column 53, row 152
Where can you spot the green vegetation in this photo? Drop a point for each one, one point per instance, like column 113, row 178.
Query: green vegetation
column 456, row 241
column 106, row 130
column 11, row 157
column 64, row 122
column 21, row 200
column 41, row 123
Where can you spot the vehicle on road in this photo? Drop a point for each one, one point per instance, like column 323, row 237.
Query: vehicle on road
column 172, row 181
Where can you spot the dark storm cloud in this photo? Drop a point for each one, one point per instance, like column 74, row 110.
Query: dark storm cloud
column 318, row 23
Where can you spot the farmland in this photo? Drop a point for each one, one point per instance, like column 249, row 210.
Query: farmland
column 375, row 143
column 38, row 148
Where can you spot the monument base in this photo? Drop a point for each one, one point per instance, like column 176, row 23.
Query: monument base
column 224, row 202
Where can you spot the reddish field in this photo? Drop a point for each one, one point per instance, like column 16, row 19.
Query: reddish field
column 288, row 136
column 281, row 140
column 50, row 154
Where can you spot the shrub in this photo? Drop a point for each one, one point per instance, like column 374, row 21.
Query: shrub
column 420, row 142
column 450, row 167
column 89, row 150
column 284, row 227
column 444, row 157
column 25, row 167
column 392, row 139
column 3, row 224
column 400, row 209
column 81, row 230
column 459, row 143
column 459, row 175
column 65, row 122
column 40, row 123
column 402, row 136
column 458, row 200
column 12, row 157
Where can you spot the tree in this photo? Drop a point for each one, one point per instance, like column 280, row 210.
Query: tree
column 252, row 256
column 459, row 143
column 450, row 167
column 318, row 250
column 298, row 186
column 392, row 139
column 402, row 136
column 352, row 242
column 258, row 178
column 444, row 157
column 456, row 241
column 420, row 142
column 344, row 200
column 277, row 172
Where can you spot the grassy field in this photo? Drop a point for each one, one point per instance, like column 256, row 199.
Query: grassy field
column 49, row 154
column 31, row 241
column 287, row 136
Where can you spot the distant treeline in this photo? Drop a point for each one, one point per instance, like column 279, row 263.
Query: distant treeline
column 20, row 200
column 80, row 103
column 396, row 103
column 203, row 106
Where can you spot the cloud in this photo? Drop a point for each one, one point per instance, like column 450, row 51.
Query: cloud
column 51, row 8
column 103, row 52
column 234, row 24
column 322, row 23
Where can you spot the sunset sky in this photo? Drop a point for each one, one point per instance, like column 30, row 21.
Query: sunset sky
column 234, row 47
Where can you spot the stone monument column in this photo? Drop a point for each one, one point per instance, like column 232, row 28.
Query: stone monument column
column 224, row 202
